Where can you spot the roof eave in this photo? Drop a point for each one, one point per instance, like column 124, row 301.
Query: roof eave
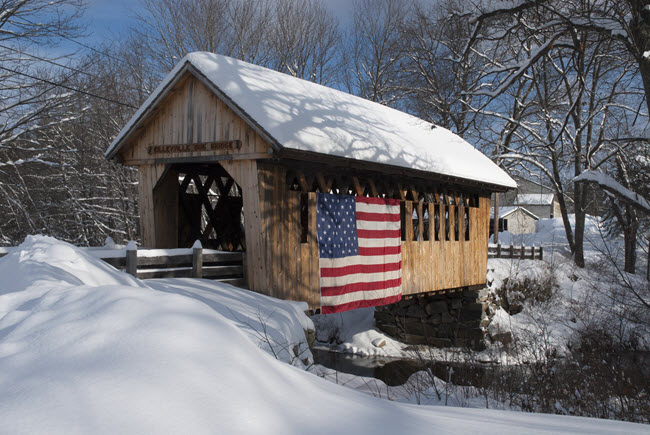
column 289, row 153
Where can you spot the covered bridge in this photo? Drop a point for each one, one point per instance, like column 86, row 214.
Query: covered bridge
column 234, row 155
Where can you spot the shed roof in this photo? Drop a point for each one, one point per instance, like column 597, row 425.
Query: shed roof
column 510, row 209
column 300, row 115
column 535, row 198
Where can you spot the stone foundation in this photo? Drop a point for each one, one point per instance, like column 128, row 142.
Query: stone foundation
column 456, row 319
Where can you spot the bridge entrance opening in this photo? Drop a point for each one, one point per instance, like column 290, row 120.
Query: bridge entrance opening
column 210, row 207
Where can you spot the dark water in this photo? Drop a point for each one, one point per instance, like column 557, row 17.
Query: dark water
column 396, row 372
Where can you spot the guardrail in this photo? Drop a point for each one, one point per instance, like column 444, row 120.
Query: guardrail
column 515, row 251
column 193, row 262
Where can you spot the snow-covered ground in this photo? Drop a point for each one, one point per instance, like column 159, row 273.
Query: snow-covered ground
column 581, row 298
column 595, row 296
column 87, row 349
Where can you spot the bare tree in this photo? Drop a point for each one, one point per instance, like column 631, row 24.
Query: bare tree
column 437, row 70
column 67, row 189
column 375, row 54
column 582, row 78
column 304, row 40
column 26, row 93
column 169, row 29
column 250, row 23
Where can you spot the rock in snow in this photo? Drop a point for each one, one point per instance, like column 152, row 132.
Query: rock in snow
column 379, row 342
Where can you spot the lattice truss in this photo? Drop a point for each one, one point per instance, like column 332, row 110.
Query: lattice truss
column 210, row 208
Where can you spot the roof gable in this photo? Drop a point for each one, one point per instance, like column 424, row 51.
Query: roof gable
column 510, row 209
column 296, row 114
column 191, row 122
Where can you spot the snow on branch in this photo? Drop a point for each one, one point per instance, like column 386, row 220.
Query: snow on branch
column 609, row 184
column 31, row 160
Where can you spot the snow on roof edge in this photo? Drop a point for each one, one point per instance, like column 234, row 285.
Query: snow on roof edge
column 194, row 61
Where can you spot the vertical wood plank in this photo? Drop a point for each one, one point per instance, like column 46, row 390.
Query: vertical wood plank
column 407, row 249
column 293, row 245
column 276, row 257
column 312, row 238
column 265, row 206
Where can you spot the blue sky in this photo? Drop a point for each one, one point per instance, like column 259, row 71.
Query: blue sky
column 108, row 17
column 111, row 17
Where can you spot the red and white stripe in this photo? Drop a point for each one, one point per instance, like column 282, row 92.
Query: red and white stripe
column 374, row 277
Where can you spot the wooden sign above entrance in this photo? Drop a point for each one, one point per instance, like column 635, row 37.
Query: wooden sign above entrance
column 195, row 147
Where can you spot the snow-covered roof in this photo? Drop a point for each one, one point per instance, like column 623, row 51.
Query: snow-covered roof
column 301, row 115
column 534, row 198
column 509, row 209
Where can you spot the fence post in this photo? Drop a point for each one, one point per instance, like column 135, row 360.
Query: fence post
column 132, row 259
column 197, row 260
column 522, row 254
column 498, row 250
column 541, row 252
column 532, row 252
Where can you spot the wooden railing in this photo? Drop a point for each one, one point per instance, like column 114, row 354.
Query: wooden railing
column 515, row 251
column 173, row 263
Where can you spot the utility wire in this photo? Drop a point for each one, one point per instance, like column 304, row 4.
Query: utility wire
column 33, row 56
column 68, row 87
column 89, row 47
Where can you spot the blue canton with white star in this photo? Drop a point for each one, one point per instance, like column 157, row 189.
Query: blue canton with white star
column 337, row 226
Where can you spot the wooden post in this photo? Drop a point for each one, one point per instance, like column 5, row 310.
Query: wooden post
column 496, row 218
column 132, row 259
column 498, row 250
column 197, row 260
column 522, row 254
column 541, row 252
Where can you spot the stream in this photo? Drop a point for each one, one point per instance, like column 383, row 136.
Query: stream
column 395, row 371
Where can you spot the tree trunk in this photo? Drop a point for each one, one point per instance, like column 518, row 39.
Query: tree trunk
column 562, row 200
column 640, row 32
column 630, row 249
column 629, row 233
column 579, row 229
column 647, row 270
column 644, row 69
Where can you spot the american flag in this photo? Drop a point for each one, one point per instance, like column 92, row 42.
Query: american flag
column 359, row 242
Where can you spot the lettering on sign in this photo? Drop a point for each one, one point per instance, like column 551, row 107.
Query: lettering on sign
column 195, row 147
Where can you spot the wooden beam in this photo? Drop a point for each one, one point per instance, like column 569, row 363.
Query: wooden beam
column 357, row 186
column 325, row 185
column 302, row 180
column 373, row 188
column 201, row 158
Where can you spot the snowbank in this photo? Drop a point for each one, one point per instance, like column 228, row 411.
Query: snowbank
column 85, row 349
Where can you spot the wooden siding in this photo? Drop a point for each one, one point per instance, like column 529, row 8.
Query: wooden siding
column 190, row 114
column 291, row 271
